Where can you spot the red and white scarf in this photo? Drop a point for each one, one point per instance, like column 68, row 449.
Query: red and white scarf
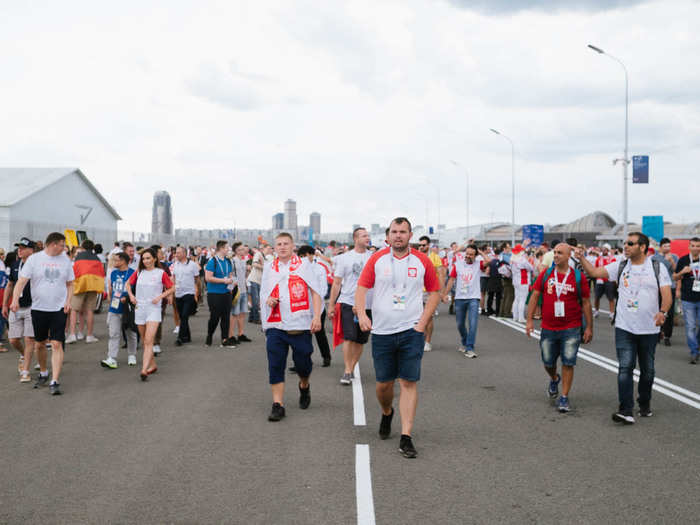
column 300, row 279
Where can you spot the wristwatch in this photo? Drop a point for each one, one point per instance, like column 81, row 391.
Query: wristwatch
column 665, row 313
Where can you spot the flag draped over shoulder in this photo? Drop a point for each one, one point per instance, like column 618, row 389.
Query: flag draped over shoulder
column 89, row 273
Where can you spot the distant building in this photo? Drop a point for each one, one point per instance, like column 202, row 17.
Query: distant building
column 290, row 216
column 356, row 226
column 315, row 223
column 376, row 229
column 37, row 201
column 278, row 221
column 162, row 222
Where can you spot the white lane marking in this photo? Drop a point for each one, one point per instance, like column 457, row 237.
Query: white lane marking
column 363, row 486
column 358, row 398
column 665, row 387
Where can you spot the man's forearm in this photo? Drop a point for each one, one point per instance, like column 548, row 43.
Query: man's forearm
column 430, row 306
column 7, row 298
column 360, row 299
column 532, row 305
column 335, row 291
column 588, row 313
column 19, row 288
column 69, row 287
column 666, row 298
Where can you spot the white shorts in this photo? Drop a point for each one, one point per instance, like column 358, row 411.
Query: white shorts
column 146, row 313
column 20, row 323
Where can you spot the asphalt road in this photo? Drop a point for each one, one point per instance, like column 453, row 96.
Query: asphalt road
column 193, row 444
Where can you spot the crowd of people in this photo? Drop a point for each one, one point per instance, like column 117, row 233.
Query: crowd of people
column 50, row 293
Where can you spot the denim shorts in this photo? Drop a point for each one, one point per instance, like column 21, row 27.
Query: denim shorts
column 278, row 343
column 564, row 343
column 241, row 305
column 398, row 355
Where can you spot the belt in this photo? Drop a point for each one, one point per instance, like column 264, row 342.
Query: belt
column 296, row 332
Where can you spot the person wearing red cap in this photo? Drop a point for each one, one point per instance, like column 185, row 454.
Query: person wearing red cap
column 522, row 271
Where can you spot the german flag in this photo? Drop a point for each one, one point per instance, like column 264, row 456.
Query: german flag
column 89, row 273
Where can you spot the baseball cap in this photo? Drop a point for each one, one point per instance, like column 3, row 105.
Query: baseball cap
column 25, row 243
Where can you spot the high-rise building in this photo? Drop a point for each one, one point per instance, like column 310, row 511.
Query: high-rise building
column 290, row 216
column 162, row 221
column 315, row 222
column 278, row 221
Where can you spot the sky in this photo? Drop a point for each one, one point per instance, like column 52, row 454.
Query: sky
column 356, row 109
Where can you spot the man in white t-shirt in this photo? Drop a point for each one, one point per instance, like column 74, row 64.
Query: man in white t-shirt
column 185, row 273
column 398, row 275
column 638, row 319
column 348, row 268
column 50, row 273
column 466, row 272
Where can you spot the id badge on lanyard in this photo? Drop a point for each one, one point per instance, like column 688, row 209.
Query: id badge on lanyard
column 115, row 301
column 398, row 298
column 559, row 310
column 399, row 301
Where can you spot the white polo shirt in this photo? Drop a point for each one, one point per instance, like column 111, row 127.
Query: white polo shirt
column 391, row 277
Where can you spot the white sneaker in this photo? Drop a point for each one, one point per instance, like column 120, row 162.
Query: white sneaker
column 177, row 330
column 109, row 363
column 461, row 349
column 80, row 336
column 428, row 347
column 37, row 366
column 471, row 354
column 91, row 339
column 131, row 360
column 71, row 339
column 596, row 313
column 156, row 349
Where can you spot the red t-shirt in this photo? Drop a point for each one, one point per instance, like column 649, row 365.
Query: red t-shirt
column 572, row 310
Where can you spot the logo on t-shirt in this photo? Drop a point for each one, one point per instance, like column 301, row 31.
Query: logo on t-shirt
column 413, row 272
column 52, row 273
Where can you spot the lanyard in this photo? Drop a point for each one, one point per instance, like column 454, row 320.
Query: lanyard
column 696, row 269
column 393, row 272
column 216, row 258
column 559, row 286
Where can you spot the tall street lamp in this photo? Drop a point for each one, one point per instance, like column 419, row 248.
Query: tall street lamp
column 625, row 161
column 437, row 188
column 512, row 189
column 466, row 209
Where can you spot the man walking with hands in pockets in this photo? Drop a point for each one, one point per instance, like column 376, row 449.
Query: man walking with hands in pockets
column 398, row 274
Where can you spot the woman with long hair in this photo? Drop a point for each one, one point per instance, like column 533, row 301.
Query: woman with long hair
column 152, row 286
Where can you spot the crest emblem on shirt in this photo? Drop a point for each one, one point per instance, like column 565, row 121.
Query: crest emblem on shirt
column 52, row 273
column 413, row 272
column 297, row 291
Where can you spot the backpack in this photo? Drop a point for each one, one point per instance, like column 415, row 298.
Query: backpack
column 577, row 275
column 655, row 265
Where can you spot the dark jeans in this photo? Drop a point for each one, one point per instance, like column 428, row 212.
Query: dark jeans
column 219, row 313
column 254, row 314
column 185, row 307
column 630, row 348
column 489, row 303
column 667, row 328
column 322, row 339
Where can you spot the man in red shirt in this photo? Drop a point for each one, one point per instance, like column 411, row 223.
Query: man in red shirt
column 397, row 275
column 565, row 297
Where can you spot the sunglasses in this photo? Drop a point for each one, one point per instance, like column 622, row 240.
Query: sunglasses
column 630, row 243
column 423, row 245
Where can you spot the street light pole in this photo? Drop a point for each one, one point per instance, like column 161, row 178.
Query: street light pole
column 625, row 161
column 466, row 208
column 512, row 182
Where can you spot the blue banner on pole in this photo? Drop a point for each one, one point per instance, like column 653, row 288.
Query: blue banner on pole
column 534, row 232
column 653, row 226
column 640, row 169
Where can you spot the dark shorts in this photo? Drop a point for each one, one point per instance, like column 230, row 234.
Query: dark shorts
column 607, row 288
column 351, row 327
column 49, row 326
column 278, row 343
column 556, row 343
column 398, row 355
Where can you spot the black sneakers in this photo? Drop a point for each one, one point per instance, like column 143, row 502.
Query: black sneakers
column 208, row 341
column 229, row 343
column 277, row 412
column 406, row 447
column 54, row 389
column 41, row 381
column 244, row 339
column 304, row 397
column 326, row 362
column 385, row 425
column 645, row 411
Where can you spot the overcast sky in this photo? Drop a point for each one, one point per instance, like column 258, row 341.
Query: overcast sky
column 350, row 108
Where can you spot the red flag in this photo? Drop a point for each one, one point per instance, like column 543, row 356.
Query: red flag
column 337, row 327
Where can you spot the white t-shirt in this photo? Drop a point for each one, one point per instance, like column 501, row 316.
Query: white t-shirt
column 412, row 273
column 320, row 273
column 149, row 285
column 638, row 301
column 185, row 274
column 239, row 267
column 349, row 267
column 467, row 278
column 48, row 275
column 255, row 275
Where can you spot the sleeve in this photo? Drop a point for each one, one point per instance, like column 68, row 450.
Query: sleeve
column 453, row 272
column 430, row 278
column 167, row 282
column 339, row 268
column 210, row 265
column 585, row 289
column 682, row 263
column 366, row 279
column 538, row 282
column 133, row 278
column 71, row 273
column 612, row 269
column 664, row 277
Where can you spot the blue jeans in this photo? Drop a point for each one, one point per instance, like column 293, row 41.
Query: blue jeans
column 467, row 310
column 631, row 347
column 254, row 315
column 691, row 316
